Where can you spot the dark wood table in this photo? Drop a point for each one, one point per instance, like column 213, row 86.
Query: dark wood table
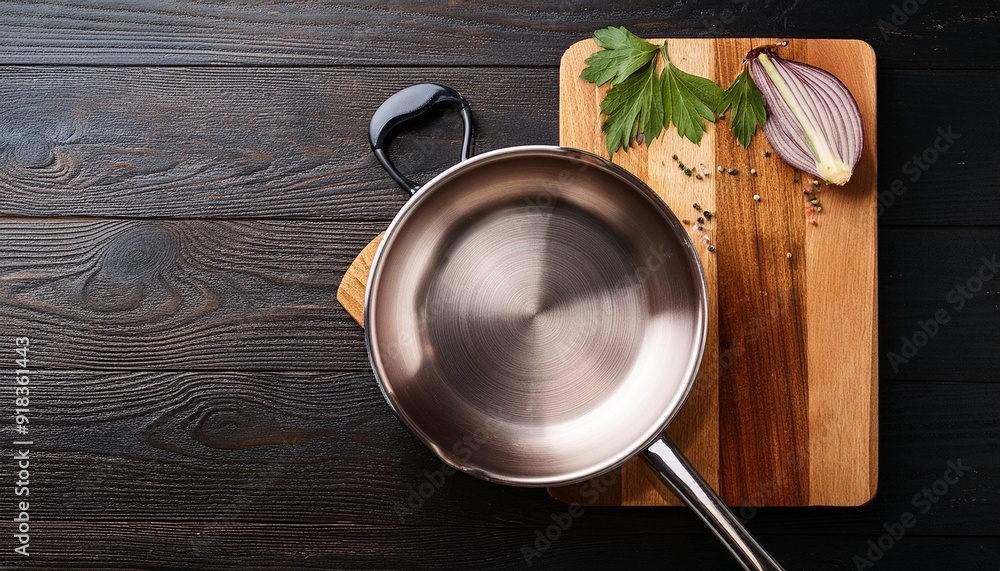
column 182, row 185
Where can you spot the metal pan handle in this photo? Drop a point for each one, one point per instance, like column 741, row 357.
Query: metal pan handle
column 409, row 105
column 675, row 470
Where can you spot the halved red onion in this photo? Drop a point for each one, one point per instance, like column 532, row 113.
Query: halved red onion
column 813, row 121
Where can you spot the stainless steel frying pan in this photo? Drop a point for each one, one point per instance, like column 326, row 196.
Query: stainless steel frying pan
column 536, row 316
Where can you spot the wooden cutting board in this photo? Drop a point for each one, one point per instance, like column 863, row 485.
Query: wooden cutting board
column 785, row 409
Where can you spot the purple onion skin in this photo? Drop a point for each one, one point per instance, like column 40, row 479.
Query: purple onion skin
column 813, row 121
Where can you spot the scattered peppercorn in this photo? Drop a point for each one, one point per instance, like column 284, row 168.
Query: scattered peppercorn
column 767, row 153
column 701, row 220
column 708, row 215
column 733, row 172
column 697, row 206
column 699, row 177
column 812, row 205
column 674, row 157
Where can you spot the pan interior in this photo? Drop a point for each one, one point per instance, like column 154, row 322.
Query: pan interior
column 534, row 318
column 540, row 307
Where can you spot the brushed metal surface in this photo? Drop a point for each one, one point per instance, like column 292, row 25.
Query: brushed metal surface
column 535, row 315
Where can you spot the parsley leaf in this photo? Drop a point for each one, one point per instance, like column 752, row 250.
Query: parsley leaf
column 633, row 106
column 687, row 99
column 746, row 104
column 624, row 53
column 642, row 102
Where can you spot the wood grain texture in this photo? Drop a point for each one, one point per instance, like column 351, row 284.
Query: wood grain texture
column 928, row 176
column 351, row 293
column 918, row 288
column 299, row 32
column 783, row 322
column 318, row 458
column 280, row 295
column 215, row 449
column 211, row 142
column 168, row 143
column 233, row 143
column 765, row 432
column 841, row 306
column 271, row 546
column 181, row 295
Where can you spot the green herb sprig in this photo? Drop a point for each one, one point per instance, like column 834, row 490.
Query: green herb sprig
column 642, row 102
column 746, row 104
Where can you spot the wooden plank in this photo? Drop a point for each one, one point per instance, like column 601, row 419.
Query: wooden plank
column 765, row 430
column 210, row 142
column 843, row 414
column 182, row 295
column 334, row 546
column 274, row 284
column 298, row 32
column 934, row 276
column 340, row 545
column 214, row 449
column 244, row 143
column 928, row 176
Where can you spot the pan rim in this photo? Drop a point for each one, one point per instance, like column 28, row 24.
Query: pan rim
column 670, row 408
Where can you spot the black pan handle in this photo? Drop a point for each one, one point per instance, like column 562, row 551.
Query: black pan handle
column 408, row 105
